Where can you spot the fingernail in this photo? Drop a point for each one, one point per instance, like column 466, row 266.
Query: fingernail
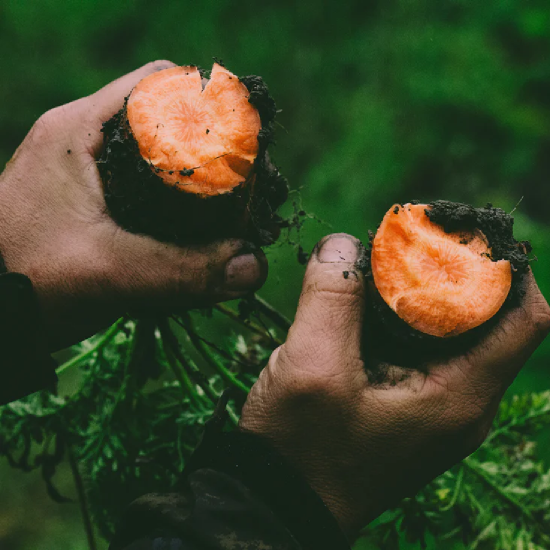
column 336, row 249
column 243, row 272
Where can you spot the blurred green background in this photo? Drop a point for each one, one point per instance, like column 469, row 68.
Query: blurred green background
column 381, row 101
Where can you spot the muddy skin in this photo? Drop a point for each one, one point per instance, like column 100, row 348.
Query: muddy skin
column 140, row 202
column 389, row 339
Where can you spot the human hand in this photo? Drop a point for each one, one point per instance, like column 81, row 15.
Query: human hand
column 365, row 444
column 86, row 270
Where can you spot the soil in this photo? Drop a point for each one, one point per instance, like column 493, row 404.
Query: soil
column 389, row 339
column 140, row 202
column 495, row 224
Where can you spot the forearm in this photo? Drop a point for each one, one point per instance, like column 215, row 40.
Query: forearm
column 237, row 493
column 215, row 511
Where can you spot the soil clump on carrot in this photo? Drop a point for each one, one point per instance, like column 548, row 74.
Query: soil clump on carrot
column 390, row 339
column 494, row 223
column 140, row 200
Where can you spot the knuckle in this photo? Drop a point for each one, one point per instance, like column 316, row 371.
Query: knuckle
column 191, row 277
column 54, row 117
column 333, row 294
column 44, row 126
column 541, row 317
column 49, row 124
column 332, row 291
column 311, row 378
column 534, row 310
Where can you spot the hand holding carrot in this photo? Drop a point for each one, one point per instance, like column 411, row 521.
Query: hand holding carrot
column 365, row 443
column 86, row 270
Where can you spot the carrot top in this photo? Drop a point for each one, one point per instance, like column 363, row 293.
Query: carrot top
column 441, row 283
column 201, row 141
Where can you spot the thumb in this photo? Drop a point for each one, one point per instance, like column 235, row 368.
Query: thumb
column 153, row 275
column 326, row 335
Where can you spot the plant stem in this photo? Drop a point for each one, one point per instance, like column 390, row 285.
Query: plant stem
column 456, row 492
column 473, row 466
column 183, row 379
column 187, row 363
column 232, row 416
column 225, row 374
column 218, row 350
column 108, row 335
column 273, row 314
column 252, row 327
column 519, row 421
column 201, row 379
column 81, row 493
column 179, row 372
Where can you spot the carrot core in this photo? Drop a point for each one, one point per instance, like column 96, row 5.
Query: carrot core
column 201, row 141
column 442, row 284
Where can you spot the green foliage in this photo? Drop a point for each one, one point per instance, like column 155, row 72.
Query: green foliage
column 382, row 101
column 140, row 408
column 496, row 499
column 150, row 385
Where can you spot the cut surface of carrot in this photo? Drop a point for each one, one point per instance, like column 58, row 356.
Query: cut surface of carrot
column 201, row 141
column 442, row 284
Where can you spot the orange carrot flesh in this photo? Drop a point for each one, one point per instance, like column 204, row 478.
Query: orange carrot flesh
column 201, row 141
column 442, row 284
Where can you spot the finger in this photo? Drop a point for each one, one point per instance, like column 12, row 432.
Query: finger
column 498, row 358
column 325, row 338
column 103, row 104
column 155, row 276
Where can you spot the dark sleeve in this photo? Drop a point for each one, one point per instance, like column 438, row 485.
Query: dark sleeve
column 237, row 494
column 25, row 365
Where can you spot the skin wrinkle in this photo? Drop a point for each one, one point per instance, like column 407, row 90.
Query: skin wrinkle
column 465, row 388
column 313, row 360
column 118, row 250
column 308, row 382
column 336, row 293
column 470, row 404
column 90, row 184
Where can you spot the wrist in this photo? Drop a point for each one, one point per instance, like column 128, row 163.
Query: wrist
column 255, row 463
column 351, row 499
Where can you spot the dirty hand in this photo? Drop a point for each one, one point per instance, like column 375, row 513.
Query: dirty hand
column 362, row 444
column 55, row 229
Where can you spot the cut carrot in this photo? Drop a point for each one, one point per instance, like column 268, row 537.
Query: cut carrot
column 186, row 158
column 210, row 134
column 441, row 284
